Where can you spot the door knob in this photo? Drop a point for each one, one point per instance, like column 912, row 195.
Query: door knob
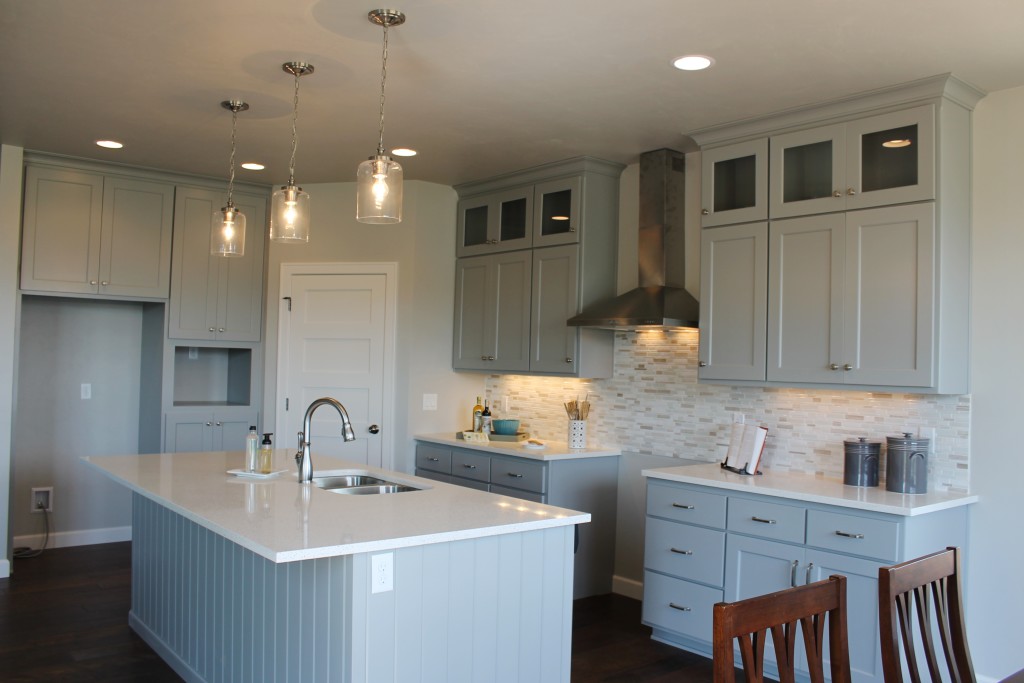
column 374, row 429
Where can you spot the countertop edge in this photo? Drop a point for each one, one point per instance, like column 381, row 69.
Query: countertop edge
column 555, row 450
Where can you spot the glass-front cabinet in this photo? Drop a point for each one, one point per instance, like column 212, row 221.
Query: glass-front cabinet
column 501, row 221
column 875, row 161
column 734, row 183
column 557, row 212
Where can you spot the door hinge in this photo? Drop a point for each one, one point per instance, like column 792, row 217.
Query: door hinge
column 289, row 300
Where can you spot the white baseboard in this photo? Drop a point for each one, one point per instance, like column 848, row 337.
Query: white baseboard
column 5, row 569
column 66, row 539
column 631, row 588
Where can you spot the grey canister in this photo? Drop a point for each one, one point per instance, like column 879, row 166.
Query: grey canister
column 860, row 463
column 906, row 467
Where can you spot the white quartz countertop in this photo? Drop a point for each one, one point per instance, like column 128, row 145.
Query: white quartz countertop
column 285, row 521
column 553, row 450
column 815, row 489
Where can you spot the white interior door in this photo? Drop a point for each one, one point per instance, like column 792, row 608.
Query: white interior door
column 336, row 339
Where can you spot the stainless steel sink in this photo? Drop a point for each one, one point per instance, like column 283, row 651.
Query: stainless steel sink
column 358, row 484
column 341, row 481
column 370, row 490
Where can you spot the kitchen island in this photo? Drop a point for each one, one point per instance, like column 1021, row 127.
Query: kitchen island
column 240, row 579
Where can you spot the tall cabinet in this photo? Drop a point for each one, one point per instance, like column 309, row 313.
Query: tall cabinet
column 534, row 248
column 836, row 246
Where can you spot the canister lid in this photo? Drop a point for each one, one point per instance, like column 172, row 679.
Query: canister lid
column 906, row 440
column 862, row 444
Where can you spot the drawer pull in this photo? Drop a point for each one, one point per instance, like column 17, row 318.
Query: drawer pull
column 470, row 467
column 679, row 607
column 434, row 459
column 762, row 520
column 847, row 534
column 681, row 552
column 807, row 576
column 681, row 506
column 513, row 474
column 792, row 573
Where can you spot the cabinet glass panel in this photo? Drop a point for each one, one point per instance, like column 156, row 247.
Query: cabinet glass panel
column 514, row 214
column 808, row 172
column 889, row 159
column 475, row 226
column 735, row 183
column 556, row 213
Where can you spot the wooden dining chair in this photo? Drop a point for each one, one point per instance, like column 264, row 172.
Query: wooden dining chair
column 920, row 597
column 749, row 621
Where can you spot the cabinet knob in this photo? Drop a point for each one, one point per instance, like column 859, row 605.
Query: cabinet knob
column 705, row 212
column 847, row 367
column 837, row 193
column 702, row 364
column 572, row 228
column 104, row 283
column 568, row 360
column 209, row 424
column 211, row 329
column 92, row 282
column 490, row 357
column 374, row 429
column 218, row 424
column 220, row 329
column 833, row 366
column 850, row 191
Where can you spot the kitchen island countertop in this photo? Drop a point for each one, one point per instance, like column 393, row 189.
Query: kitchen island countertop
column 553, row 450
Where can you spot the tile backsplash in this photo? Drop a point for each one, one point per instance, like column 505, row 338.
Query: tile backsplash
column 653, row 405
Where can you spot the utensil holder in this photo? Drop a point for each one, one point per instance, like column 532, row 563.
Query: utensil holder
column 577, row 433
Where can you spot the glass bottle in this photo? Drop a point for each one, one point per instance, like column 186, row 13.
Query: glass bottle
column 266, row 456
column 252, row 444
column 477, row 412
column 485, row 418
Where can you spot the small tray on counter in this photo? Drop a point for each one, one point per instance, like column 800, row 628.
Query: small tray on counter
column 521, row 436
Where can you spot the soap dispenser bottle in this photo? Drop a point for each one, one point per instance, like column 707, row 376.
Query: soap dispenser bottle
column 252, row 445
column 266, row 453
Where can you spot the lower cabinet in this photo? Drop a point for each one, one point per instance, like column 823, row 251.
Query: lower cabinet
column 585, row 484
column 704, row 545
column 222, row 429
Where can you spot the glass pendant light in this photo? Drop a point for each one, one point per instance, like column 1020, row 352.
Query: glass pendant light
column 289, row 209
column 379, row 178
column 227, row 234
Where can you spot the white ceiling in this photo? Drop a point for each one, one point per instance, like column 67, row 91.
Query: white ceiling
column 479, row 87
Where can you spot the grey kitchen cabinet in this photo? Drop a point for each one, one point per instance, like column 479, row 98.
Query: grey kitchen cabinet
column 492, row 312
column 705, row 544
column 96, row 234
column 213, row 297
column 568, row 263
column 852, row 297
column 733, row 305
column 585, row 484
column 222, row 429
column 734, row 183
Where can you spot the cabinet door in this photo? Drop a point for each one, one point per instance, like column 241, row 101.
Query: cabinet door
column 473, row 341
column 734, row 301
column 195, row 275
column 557, row 213
column 475, row 225
column 890, row 296
column 500, row 221
column 231, row 426
column 890, row 158
column 805, row 299
column 135, row 247
column 808, row 170
column 510, row 315
column 734, row 183
column 62, row 222
column 240, row 280
column 553, row 343
column 188, row 432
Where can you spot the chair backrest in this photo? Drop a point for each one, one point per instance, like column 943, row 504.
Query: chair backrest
column 915, row 599
column 750, row 620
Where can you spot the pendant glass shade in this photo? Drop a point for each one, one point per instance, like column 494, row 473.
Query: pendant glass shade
column 379, row 190
column 227, row 234
column 289, row 215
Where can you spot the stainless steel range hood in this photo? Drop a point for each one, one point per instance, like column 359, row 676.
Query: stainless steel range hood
column 661, row 300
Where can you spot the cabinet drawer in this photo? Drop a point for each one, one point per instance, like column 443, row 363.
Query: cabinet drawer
column 471, row 465
column 679, row 606
column 689, row 552
column 434, row 476
column 533, row 496
column 518, row 473
column 853, row 535
column 470, row 483
column 685, row 505
column 434, row 458
column 770, row 520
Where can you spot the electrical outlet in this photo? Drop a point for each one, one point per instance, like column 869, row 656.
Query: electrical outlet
column 382, row 573
column 193, row 352
column 42, row 498
column 86, row 392
column 738, row 418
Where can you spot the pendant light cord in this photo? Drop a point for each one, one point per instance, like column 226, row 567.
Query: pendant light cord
column 231, row 175
column 383, row 80
column 295, row 127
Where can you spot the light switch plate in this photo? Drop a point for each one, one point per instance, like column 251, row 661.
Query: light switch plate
column 86, row 392
column 429, row 401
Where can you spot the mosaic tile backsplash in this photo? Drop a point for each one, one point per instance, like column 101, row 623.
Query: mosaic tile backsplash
column 653, row 405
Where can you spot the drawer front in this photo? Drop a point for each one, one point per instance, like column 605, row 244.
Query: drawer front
column 518, row 493
column 518, row 473
column 470, row 483
column 769, row 520
column 852, row 534
column 434, row 458
column 434, row 476
column 685, row 505
column 471, row 465
column 680, row 606
column 688, row 552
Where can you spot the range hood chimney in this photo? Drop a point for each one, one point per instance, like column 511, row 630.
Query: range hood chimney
column 661, row 300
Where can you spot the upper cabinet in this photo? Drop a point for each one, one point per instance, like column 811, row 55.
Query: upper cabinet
column 856, row 271
column 213, row 297
column 534, row 248
column 95, row 234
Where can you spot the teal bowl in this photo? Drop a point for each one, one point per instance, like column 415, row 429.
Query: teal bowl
column 505, row 427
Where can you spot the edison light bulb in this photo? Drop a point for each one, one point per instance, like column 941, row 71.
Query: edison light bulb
column 380, row 189
column 229, row 230
column 290, row 214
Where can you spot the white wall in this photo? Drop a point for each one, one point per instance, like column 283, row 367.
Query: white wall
column 995, row 592
column 423, row 246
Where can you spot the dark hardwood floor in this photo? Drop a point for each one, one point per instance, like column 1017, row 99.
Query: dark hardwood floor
column 64, row 617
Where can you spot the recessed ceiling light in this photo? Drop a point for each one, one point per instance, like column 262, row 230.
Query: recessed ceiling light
column 404, row 152
column 253, row 166
column 110, row 144
column 897, row 143
column 692, row 62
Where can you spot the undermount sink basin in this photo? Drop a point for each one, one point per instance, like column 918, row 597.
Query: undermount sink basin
column 358, row 484
column 370, row 490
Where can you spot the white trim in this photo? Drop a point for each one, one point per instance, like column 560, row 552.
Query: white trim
column 631, row 588
column 5, row 569
column 67, row 539
column 390, row 271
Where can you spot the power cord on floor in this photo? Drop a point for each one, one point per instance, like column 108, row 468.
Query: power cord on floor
column 23, row 553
